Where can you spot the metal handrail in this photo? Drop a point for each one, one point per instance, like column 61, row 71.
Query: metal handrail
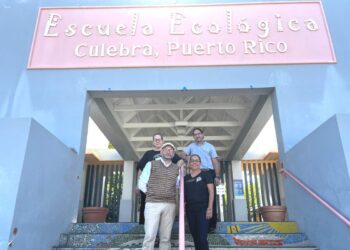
column 285, row 172
column 182, row 211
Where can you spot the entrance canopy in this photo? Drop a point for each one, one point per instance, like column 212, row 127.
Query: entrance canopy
column 231, row 118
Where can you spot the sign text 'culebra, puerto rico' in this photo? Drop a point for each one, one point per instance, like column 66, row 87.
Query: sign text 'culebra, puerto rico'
column 203, row 35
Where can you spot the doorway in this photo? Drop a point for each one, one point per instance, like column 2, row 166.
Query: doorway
column 231, row 119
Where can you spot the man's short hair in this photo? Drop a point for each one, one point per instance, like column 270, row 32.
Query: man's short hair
column 201, row 130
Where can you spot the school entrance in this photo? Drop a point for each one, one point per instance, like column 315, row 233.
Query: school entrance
column 231, row 119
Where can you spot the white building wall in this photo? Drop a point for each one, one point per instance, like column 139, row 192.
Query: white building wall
column 240, row 203
column 126, row 207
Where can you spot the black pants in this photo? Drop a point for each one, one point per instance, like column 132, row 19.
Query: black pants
column 142, row 208
column 199, row 228
column 213, row 220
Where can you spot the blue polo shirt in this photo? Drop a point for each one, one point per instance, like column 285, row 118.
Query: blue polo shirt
column 206, row 152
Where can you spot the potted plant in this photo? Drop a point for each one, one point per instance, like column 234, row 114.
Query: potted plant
column 96, row 214
column 273, row 213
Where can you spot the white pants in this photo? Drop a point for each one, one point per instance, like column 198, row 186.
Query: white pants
column 162, row 215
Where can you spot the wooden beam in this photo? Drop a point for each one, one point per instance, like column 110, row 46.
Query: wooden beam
column 167, row 107
column 184, row 138
column 180, row 149
column 189, row 124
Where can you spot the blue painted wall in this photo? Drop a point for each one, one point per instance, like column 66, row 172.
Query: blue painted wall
column 305, row 97
column 40, row 185
column 11, row 165
column 321, row 161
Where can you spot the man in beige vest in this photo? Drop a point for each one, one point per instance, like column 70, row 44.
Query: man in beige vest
column 158, row 181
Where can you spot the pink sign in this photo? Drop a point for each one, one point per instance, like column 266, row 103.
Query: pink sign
column 229, row 34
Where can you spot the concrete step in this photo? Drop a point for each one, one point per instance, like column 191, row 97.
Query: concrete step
column 219, row 240
column 222, row 227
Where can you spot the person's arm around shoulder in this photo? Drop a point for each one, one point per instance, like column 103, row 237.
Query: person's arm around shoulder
column 186, row 153
column 178, row 160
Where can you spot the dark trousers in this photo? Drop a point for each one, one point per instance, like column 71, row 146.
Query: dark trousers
column 142, row 208
column 213, row 220
column 199, row 228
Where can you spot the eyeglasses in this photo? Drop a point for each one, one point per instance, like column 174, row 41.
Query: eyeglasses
column 195, row 134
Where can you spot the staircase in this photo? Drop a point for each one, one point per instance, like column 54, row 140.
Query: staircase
column 229, row 235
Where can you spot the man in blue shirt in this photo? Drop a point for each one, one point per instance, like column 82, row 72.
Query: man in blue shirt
column 210, row 163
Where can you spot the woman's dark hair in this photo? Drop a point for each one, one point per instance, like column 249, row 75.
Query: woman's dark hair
column 194, row 155
column 161, row 136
